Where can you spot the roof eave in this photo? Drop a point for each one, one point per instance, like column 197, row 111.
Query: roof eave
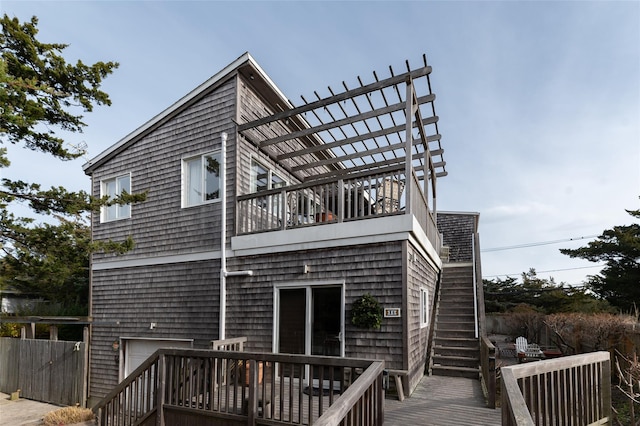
column 220, row 76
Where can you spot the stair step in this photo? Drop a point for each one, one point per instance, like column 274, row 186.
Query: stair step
column 455, row 361
column 457, row 350
column 456, row 341
column 466, row 289
column 452, row 308
column 457, row 298
column 457, row 316
column 468, row 351
column 454, row 333
column 456, row 326
column 465, row 318
column 471, row 373
column 463, row 289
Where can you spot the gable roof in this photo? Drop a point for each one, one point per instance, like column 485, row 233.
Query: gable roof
column 244, row 61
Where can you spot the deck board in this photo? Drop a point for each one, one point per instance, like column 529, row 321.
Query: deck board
column 442, row 401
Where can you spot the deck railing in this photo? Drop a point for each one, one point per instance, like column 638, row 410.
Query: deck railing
column 573, row 390
column 134, row 400
column 233, row 344
column 420, row 209
column 356, row 196
column 488, row 370
column 487, row 349
column 176, row 386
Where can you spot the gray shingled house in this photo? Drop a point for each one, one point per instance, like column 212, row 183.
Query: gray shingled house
column 268, row 220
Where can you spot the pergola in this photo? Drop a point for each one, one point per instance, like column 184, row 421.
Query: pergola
column 387, row 123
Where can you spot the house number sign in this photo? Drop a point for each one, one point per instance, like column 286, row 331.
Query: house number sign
column 392, row 312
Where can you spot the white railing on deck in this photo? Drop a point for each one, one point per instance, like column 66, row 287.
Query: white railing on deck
column 573, row 390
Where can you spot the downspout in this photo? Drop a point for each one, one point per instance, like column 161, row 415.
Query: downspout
column 223, row 240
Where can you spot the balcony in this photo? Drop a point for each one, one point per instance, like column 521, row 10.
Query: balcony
column 359, row 154
column 356, row 197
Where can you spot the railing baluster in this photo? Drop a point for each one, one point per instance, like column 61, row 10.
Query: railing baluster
column 189, row 379
column 564, row 391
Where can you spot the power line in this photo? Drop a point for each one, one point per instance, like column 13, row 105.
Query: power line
column 541, row 243
column 544, row 272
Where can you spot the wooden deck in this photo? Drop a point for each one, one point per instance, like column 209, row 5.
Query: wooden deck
column 442, row 401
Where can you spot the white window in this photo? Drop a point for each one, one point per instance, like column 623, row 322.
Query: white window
column 201, row 183
column 263, row 178
column 113, row 188
column 424, row 307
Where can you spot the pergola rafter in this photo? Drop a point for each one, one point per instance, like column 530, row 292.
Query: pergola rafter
column 358, row 129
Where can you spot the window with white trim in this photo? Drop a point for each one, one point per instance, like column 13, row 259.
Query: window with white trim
column 113, row 188
column 263, row 178
column 201, row 179
column 424, row 307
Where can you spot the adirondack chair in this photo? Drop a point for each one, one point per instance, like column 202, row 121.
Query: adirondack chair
column 526, row 351
column 521, row 345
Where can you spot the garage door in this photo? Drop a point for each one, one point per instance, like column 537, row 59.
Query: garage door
column 136, row 351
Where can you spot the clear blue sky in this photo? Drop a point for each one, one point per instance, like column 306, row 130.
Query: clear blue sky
column 539, row 102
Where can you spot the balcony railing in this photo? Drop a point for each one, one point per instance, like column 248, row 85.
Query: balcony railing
column 180, row 386
column 355, row 197
column 573, row 390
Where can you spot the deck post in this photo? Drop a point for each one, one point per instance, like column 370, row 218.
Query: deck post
column 491, row 385
column 380, row 401
column 408, row 144
column 162, row 377
column 252, row 410
column 283, row 209
column 605, row 381
column 340, row 200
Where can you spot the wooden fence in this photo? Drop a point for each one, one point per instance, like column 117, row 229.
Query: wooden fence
column 44, row 370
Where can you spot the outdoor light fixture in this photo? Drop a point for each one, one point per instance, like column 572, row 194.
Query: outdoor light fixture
column 115, row 345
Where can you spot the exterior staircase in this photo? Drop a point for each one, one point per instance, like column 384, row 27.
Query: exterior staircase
column 456, row 349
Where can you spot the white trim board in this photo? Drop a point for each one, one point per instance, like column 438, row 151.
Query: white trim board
column 369, row 231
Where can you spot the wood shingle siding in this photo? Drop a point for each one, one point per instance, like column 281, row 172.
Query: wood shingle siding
column 457, row 230
column 159, row 225
column 375, row 268
column 181, row 299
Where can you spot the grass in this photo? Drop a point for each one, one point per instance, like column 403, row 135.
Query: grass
column 68, row 416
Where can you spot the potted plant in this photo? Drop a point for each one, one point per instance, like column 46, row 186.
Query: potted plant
column 366, row 312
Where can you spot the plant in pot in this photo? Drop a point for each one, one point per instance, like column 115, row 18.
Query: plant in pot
column 366, row 312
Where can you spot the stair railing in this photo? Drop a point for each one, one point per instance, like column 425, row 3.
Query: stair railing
column 434, row 316
column 135, row 398
column 487, row 349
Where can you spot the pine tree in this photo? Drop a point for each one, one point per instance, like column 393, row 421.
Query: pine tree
column 41, row 95
column 619, row 280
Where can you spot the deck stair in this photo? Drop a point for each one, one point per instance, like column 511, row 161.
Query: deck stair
column 456, row 350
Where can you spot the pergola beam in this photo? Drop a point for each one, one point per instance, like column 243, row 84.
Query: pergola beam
column 359, row 129
column 378, row 85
